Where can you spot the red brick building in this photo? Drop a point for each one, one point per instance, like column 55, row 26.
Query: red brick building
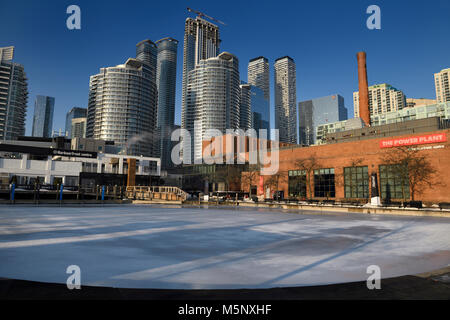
column 343, row 169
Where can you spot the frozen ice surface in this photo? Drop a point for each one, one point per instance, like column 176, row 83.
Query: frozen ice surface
column 142, row 246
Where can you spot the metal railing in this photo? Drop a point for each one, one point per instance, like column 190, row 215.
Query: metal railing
column 155, row 193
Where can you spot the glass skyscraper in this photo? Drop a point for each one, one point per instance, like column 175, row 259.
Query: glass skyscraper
column 245, row 114
column 123, row 103
column 258, row 76
column 319, row 111
column 13, row 96
column 43, row 116
column 260, row 109
column 166, row 75
column 254, row 109
column 74, row 113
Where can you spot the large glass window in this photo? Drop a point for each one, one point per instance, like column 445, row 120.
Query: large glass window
column 297, row 183
column 356, row 182
column 393, row 185
column 324, row 183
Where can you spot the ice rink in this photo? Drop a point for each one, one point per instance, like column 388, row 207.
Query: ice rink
column 138, row 246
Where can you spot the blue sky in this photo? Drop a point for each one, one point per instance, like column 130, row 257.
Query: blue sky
column 321, row 36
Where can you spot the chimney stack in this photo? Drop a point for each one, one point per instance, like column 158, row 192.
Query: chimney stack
column 131, row 176
column 364, row 112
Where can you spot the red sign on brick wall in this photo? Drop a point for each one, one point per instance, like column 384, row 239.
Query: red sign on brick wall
column 261, row 185
column 409, row 141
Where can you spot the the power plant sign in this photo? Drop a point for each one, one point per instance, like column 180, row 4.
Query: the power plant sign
column 429, row 138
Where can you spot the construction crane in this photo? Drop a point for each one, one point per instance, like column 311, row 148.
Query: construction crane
column 201, row 14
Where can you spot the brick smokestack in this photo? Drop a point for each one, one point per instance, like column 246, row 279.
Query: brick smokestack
column 364, row 112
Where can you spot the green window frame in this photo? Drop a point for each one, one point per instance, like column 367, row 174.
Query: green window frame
column 391, row 183
column 356, row 182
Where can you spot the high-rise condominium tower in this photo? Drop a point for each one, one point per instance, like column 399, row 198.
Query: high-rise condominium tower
column 212, row 96
column 13, row 96
column 258, row 75
column 166, row 76
column 74, row 113
column 147, row 52
column 442, row 83
column 201, row 41
column 166, row 73
column 383, row 98
column 123, row 103
column 43, row 116
column 286, row 99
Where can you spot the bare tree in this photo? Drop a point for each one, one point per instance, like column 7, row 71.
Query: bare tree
column 274, row 180
column 410, row 167
column 249, row 176
column 232, row 176
column 308, row 165
column 213, row 176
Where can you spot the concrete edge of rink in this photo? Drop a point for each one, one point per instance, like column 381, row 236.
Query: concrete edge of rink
column 293, row 208
column 399, row 288
column 330, row 209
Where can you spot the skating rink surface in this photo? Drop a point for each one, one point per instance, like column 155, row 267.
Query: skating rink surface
column 142, row 246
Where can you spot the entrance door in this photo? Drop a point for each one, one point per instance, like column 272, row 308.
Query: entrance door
column 253, row 190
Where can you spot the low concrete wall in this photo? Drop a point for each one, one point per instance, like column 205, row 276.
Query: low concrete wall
column 329, row 209
column 299, row 208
